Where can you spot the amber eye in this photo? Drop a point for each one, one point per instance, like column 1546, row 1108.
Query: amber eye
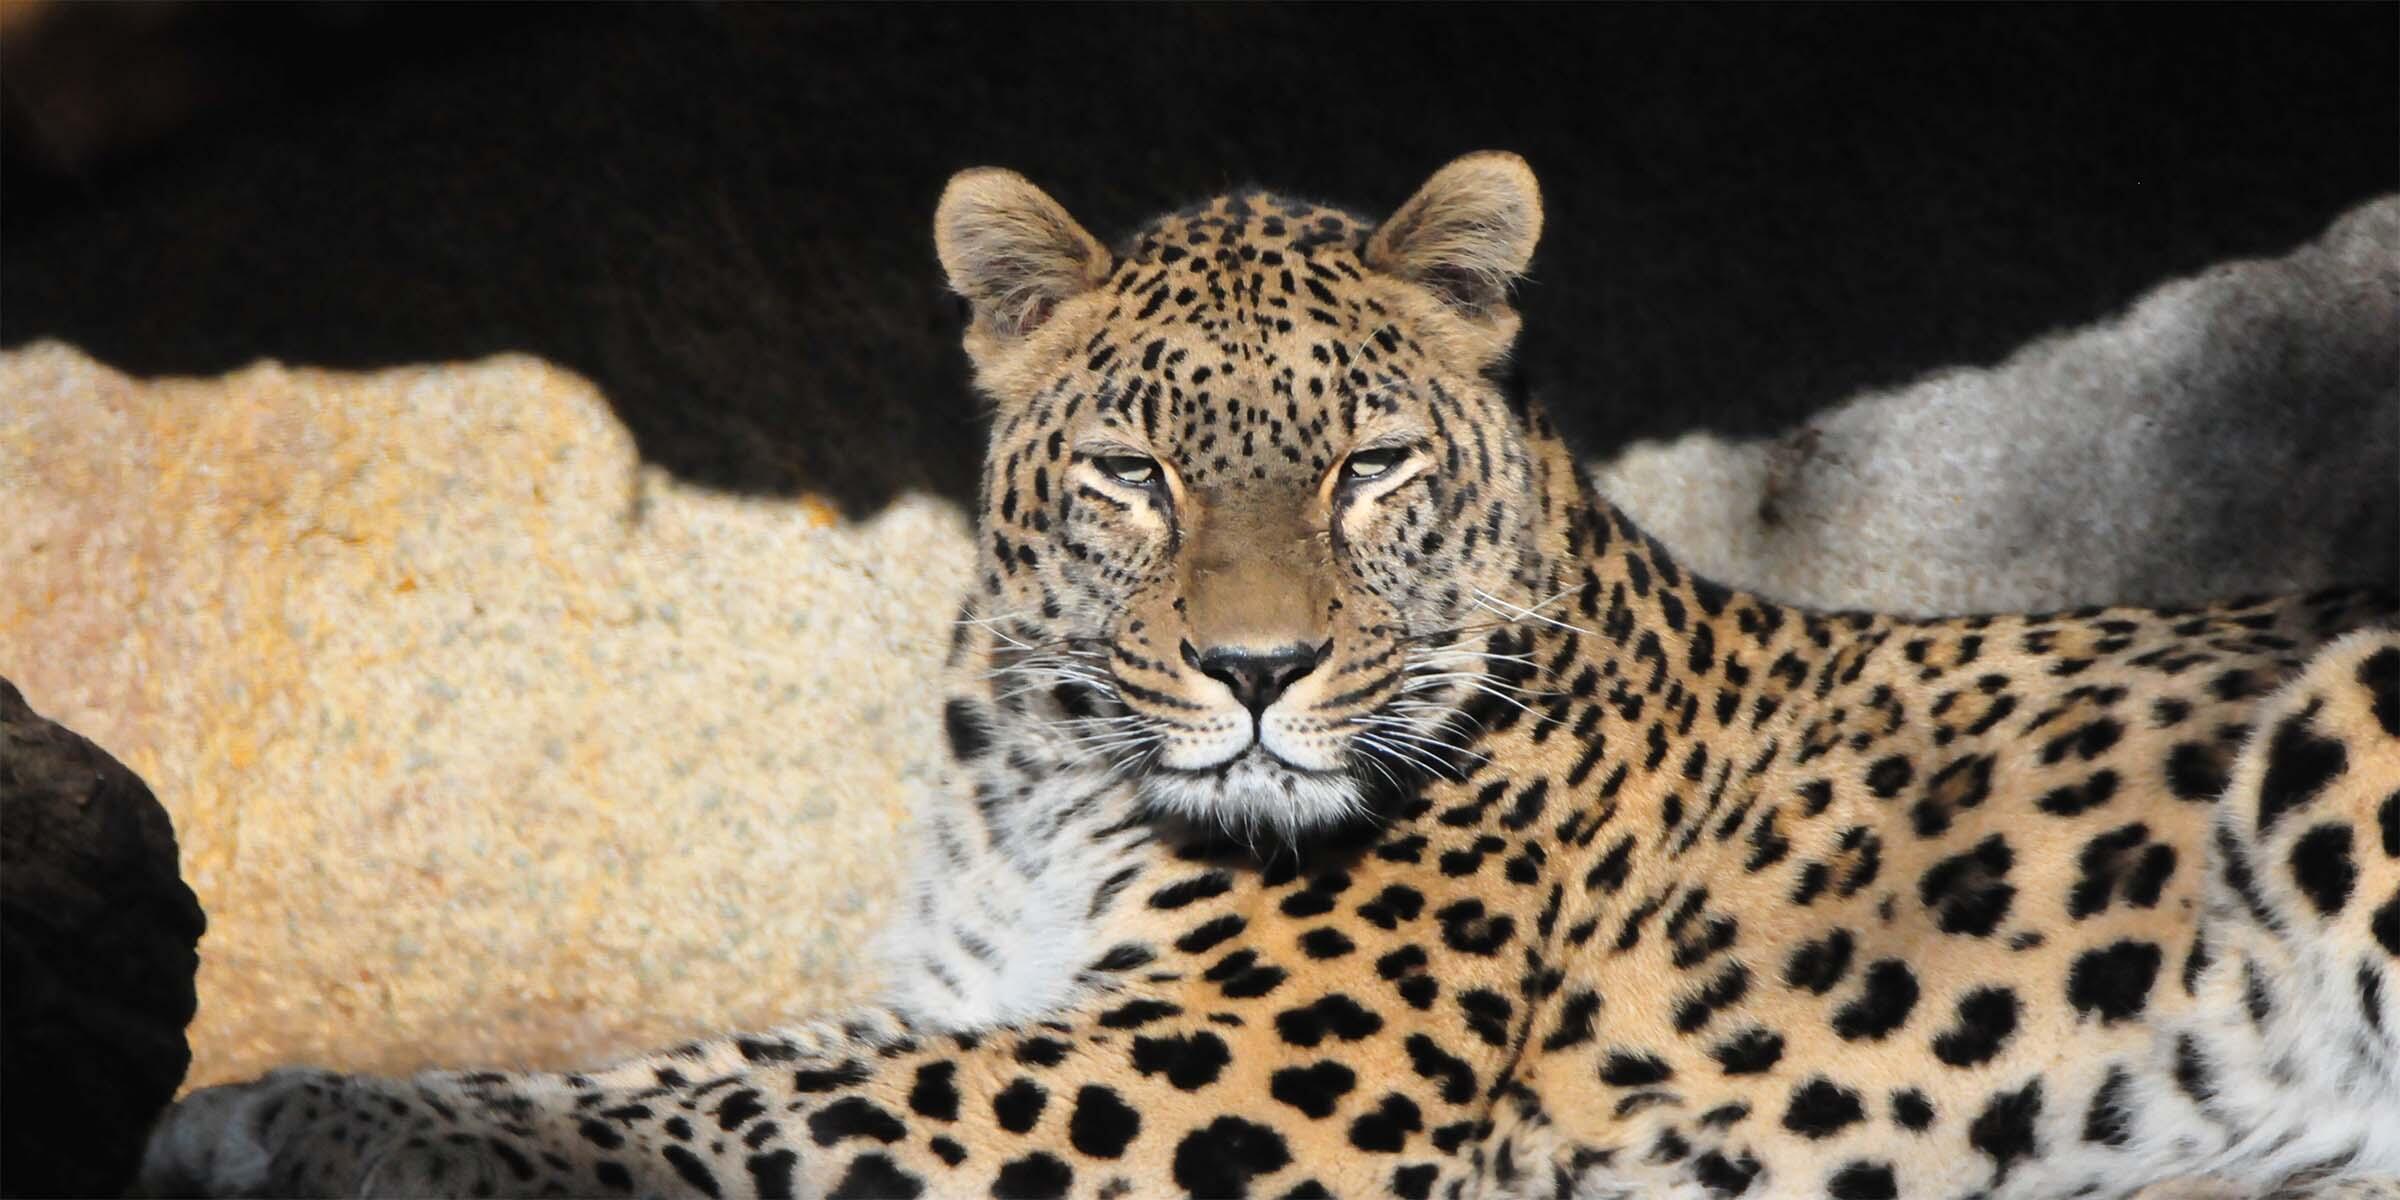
column 1367, row 464
column 1131, row 469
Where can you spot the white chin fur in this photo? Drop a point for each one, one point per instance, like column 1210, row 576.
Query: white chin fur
column 1255, row 794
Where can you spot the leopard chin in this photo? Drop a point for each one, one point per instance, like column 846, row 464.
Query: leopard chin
column 1253, row 794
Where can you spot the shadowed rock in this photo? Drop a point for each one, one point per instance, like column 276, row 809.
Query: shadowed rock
column 98, row 950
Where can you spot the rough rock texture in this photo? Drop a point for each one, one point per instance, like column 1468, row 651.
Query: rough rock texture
column 2238, row 431
column 488, row 745
column 491, row 745
column 97, row 937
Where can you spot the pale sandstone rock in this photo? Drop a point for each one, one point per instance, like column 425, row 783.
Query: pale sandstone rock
column 485, row 744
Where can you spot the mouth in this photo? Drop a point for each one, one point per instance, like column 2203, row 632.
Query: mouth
column 1255, row 792
column 1254, row 759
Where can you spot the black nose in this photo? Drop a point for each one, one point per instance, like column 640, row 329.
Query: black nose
column 1256, row 677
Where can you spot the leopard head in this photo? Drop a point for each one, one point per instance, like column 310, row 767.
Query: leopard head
column 1256, row 493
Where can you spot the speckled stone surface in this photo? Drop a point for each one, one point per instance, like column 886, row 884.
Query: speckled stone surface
column 485, row 744
column 2235, row 431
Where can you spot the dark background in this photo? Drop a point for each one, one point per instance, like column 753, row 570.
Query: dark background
column 720, row 214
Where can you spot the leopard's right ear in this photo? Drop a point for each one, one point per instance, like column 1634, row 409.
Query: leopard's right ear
column 1012, row 252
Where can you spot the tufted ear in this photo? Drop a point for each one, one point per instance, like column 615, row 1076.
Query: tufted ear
column 1467, row 234
column 1012, row 251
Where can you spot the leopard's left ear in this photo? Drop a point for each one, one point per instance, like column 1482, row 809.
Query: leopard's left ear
column 1467, row 234
column 1012, row 251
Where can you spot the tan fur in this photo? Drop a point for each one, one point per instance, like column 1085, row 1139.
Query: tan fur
column 1012, row 251
column 1468, row 233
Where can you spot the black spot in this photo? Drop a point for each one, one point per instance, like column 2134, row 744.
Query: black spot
column 1912, row 1110
column 518, row 1165
column 1190, row 1061
column 1336, row 1014
column 1608, row 875
column 1723, row 1176
column 1413, row 1182
column 2322, row 868
column 693, row 1171
column 2113, row 981
column 1241, row 976
column 2004, row 1129
column 950, row 1152
column 935, row 1093
column 760, row 1051
column 1198, row 887
column 1429, row 1061
column 2196, row 771
column 1883, row 1004
column 1307, row 1189
column 1986, row 1018
column 613, row 1176
column 1487, row 1014
column 2085, row 742
column 1041, row 1052
column 1863, row 1181
column 1963, row 784
column 2103, row 860
column 2387, row 926
column 1137, row 1013
column 2381, row 675
column 1669, row 1146
column 1102, row 1124
column 828, row 1080
column 1820, row 964
column 601, row 1134
column 1037, row 1176
column 1386, row 1129
column 1889, row 775
column 873, row 1177
column 854, row 1117
column 2299, row 765
column 1749, row 1052
column 771, row 1174
column 1467, row 929
column 2105, row 1121
column 2191, row 1070
column 964, row 727
column 2256, row 999
column 739, row 1107
column 2388, row 819
column 1314, row 1090
column 1325, row 943
column 1018, row 1107
column 2370, row 995
column 1206, row 936
column 1223, row 1158
column 1821, row 1108
column 1629, row 1069
column 1968, row 891
column 1574, row 1021
column 2075, row 799
column 1392, row 906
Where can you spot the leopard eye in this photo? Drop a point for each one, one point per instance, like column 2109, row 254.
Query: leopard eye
column 1133, row 470
column 1367, row 464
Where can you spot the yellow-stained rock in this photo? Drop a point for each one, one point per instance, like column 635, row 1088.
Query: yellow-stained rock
column 485, row 744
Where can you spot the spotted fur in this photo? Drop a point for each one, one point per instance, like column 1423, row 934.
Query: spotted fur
column 1350, row 801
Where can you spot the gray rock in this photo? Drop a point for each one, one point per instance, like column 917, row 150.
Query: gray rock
column 2234, row 432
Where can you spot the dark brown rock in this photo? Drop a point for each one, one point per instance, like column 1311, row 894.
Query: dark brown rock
column 98, row 948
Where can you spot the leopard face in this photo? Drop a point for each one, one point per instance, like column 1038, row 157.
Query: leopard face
column 1256, row 485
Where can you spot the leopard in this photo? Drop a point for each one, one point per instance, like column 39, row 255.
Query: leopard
column 1347, row 799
